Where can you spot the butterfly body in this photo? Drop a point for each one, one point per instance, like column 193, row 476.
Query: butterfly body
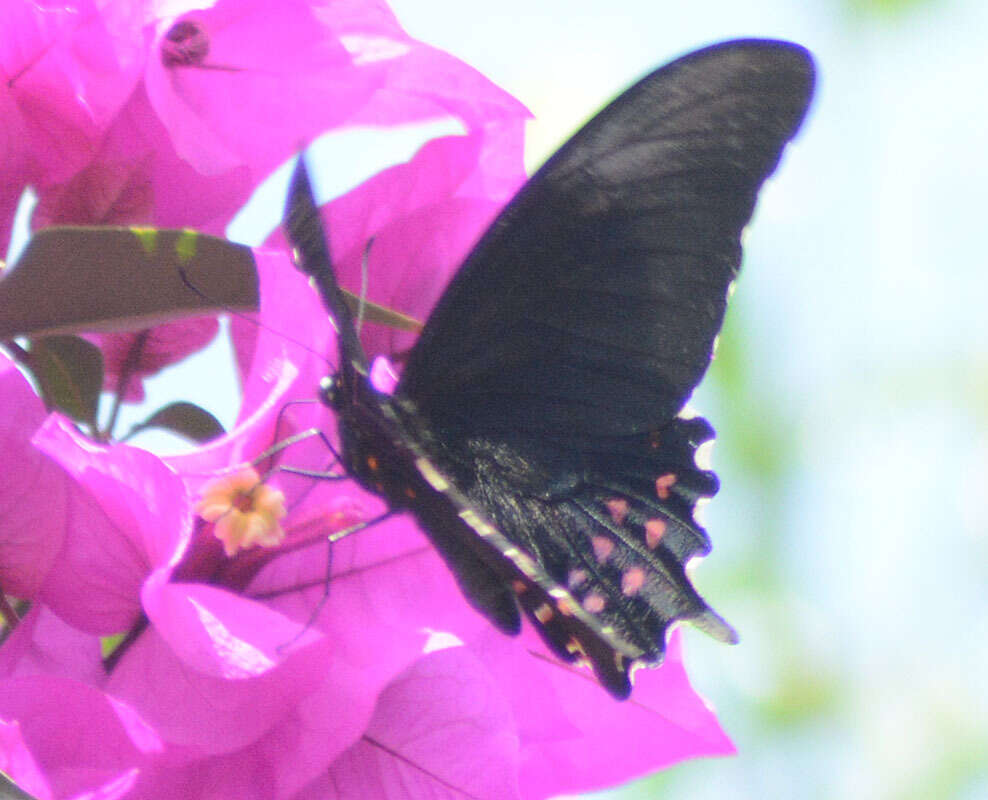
column 536, row 432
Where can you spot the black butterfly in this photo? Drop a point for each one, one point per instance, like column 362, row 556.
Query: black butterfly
column 535, row 432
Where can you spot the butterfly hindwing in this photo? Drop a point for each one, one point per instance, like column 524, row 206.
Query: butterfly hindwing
column 609, row 541
column 498, row 576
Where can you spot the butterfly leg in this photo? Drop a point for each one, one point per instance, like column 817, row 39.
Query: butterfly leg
column 324, row 598
column 328, row 473
column 295, row 439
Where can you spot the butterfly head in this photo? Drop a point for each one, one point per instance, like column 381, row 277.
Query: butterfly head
column 329, row 391
column 341, row 390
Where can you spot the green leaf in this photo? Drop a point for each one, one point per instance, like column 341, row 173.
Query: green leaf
column 381, row 314
column 109, row 644
column 71, row 279
column 69, row 372
column 11, row 791
column 185, row 419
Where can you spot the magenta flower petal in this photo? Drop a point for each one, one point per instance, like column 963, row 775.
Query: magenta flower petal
column 417, row 81
column 427, row 81
column 575, row 738
column 136, row 177
column 217, row 633
column 292, row 327
column 441, row 729
column 257, row 690
column 79, row 737
column 250, row 437
column 383, row 376
column 267, row 82
column 387, row 583
column 248, row 664
column 159, row 347
column 300, row 747
column 34, row 496
column 68, row 68
column 44, row 644
column 13, row 179
column 236, row 101
column 444, row 718
column 137, row 517
column 16, row 760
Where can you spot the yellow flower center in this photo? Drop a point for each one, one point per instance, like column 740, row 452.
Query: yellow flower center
column 246, row 512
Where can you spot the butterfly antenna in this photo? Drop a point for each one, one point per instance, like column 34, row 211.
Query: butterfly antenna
column 248, row 318
column 303, row 225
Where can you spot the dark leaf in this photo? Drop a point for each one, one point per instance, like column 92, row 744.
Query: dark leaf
column 185, row 419
column 69, row 371
column 72, row 279
column 381, row 314
column 10, row 791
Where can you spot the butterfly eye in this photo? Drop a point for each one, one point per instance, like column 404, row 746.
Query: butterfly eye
column 329, row 391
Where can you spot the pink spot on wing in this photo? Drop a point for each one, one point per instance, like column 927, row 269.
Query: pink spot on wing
column 662, row 484
column 576, row 577
column 632, row 580
column 655, row 529
column 602, row 547
column 619, row 509
column 594, row 603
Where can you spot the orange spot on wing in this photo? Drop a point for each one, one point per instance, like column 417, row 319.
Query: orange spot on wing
column 564, row 608
column 663, row 484
column 574, row 647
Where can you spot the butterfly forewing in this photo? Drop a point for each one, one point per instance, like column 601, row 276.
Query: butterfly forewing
column 591, row 305
column 535, row 431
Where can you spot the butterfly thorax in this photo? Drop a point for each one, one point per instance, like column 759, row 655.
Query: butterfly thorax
column 370, row 434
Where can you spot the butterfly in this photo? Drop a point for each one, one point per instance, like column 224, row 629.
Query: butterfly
column 536, row 433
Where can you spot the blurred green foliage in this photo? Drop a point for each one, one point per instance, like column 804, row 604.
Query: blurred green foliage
column 887, row 9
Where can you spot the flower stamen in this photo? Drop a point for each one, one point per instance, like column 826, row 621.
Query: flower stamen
column 246, row 512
